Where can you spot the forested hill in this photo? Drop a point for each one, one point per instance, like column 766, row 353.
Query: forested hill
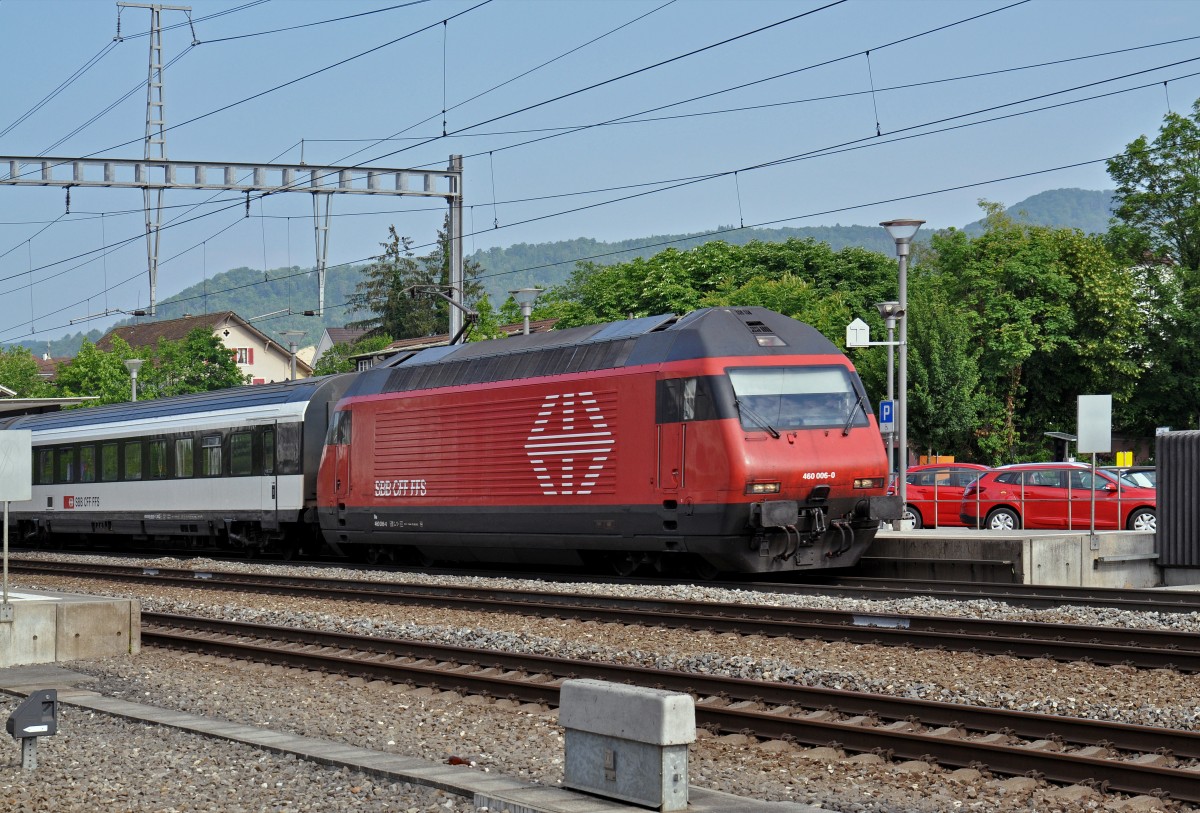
column 250, row 293
column 542, row 265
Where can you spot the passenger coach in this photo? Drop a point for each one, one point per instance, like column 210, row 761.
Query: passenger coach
column 738, row 436
column 232, row 468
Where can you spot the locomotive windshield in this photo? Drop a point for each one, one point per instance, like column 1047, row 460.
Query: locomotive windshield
column 794, row 397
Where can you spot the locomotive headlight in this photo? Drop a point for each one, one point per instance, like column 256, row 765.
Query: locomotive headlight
column 762, row 488
column 868, row 482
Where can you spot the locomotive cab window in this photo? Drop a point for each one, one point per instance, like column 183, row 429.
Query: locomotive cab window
column 797, row 397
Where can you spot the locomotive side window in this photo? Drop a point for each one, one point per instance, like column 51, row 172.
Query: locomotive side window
column 686, row 399
column 158, row 459
column 339, row 429
column 45, row 461
column 66, row 465
column 108, row 462
column 241, row 448
column 794, row 397
column 184, row 459
column 268, row 451
column 87, row 464
column 210, row 456
column 133, row 460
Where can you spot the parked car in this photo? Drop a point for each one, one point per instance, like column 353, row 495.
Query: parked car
column 1144, row 476
column 934, row 492
column 1057, row 496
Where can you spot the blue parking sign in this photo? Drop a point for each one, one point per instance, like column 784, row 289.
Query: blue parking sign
column 887, row 415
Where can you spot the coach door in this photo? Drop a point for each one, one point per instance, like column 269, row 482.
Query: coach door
column 268, row 453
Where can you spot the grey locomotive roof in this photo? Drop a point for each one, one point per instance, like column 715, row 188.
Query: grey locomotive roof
column 710, row 332
column 234, row 398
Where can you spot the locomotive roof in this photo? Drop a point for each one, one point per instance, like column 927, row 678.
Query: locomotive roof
column 245, row 397
column 710, row 332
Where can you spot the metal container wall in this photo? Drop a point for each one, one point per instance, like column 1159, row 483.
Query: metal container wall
column 1178, row 464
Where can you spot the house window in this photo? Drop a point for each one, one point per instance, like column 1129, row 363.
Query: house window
column 363, row 364
column 244, row 355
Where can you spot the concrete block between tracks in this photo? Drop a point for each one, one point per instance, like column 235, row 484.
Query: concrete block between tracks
column 627, row 742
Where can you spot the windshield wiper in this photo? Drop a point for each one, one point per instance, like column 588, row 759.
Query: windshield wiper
column 754, row 416
column 862, row 396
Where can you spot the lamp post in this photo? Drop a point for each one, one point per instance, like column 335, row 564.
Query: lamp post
column 525, row 298
column 902, row 232
column 291, row 336
column 133, row 365
column 889, row 311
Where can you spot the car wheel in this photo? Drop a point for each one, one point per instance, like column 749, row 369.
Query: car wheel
column 914, row 515
column 1143, row 519
column 1002, row 519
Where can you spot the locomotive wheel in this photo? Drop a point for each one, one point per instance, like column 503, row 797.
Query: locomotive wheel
column 624, row 564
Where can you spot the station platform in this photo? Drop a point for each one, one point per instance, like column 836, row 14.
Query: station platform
column 499, row 794
column 49, row 627
column 1063, row 558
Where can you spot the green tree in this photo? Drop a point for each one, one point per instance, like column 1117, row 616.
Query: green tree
column 96, row 373
column 198, row 362
column 386, row 294
column 1156, row 231
column 1046, row 309
column 19, row 372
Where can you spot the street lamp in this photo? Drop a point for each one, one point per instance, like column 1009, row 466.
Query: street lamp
column 889, row 311
column 133, row 365
column 525, row 298
column 291, row 336
column 902, row 232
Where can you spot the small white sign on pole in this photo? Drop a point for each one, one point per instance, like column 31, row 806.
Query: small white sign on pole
column 16, row 465
column 1094, row 426
column 16, row 484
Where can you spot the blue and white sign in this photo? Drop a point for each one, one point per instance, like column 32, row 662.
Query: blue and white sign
column 887, row 416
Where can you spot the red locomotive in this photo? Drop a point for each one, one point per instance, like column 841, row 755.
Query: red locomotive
column 736, row 437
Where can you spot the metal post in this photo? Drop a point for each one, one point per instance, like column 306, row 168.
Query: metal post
column 5, row 553
column 321, row 232
column 454, row 244
column 292, row 347
column 891, row 392
column 902, row 232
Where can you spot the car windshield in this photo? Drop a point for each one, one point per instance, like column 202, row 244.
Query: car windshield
column 794, row 397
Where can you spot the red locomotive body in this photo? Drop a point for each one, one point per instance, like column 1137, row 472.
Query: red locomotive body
column 736, row 435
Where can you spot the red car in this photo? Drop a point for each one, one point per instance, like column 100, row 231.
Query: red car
column 1057, row 496
column 934, row 492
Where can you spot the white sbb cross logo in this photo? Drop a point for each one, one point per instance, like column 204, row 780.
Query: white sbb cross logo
column 569, row 444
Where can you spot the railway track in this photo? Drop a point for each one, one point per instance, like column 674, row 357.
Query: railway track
column 1142, row 648
column 1127, row 758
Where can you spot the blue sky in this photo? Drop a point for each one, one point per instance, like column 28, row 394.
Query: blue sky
column 402, row 88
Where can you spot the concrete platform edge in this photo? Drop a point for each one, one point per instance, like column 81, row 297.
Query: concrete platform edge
column 501, row 794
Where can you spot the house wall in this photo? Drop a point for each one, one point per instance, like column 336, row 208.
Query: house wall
column 270, row 364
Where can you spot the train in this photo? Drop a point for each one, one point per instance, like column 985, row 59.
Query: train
column 732, row 439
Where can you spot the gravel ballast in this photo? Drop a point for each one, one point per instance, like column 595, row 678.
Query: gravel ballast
column 525, row 742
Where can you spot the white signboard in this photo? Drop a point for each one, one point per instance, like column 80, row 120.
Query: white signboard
column 16, row 465
column 1094, row 424
column 858, row 334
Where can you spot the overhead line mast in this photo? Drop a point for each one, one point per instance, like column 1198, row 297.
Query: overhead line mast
column 156, row 141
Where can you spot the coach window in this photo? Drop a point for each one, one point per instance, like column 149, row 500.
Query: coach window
column 87, row 464
column 210, row 455
column 158, row 459
column 66, row 465
column 184, row 461
column 241, row 454
column 290, row 448
column 108, row 463
column 268, row 451
column 133, row 460
column 45, row 466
